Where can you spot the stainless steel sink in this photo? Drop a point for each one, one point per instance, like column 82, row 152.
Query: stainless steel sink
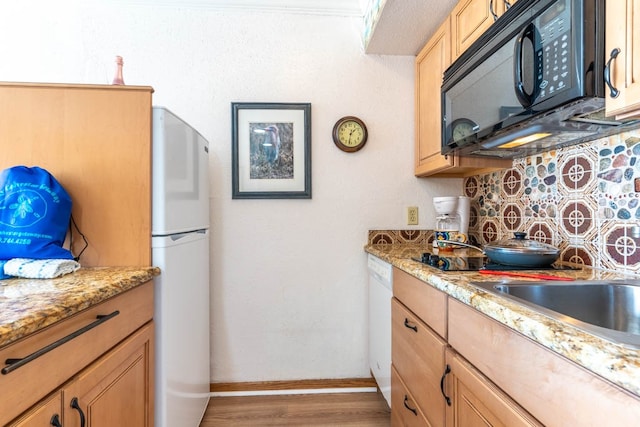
column 610, row 309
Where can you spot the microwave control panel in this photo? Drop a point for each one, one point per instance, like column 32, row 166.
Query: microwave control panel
column 554, row 52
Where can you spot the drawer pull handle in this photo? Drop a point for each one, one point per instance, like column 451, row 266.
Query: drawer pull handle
column 55, row 421
column 13, row 364
column 406, row 405
column 75, row 405
column 409, row 325
column 446, row 398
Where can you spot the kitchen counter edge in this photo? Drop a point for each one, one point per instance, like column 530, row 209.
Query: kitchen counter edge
column 616, row 363
column 29, row 305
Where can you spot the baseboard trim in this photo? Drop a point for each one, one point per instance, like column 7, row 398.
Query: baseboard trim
column 341, row 385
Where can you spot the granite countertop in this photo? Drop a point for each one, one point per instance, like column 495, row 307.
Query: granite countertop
column 614, row 362
column 28, row 305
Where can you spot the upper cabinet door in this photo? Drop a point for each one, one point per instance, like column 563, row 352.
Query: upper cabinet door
column 471, row 18
column 430, row 65
column 623, row 37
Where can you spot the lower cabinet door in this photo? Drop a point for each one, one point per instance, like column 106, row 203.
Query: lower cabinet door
column 46, row 413
column 117, row 390
column 405, row 413
column 476, row 402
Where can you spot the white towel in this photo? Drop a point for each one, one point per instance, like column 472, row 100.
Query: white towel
column 39, row 268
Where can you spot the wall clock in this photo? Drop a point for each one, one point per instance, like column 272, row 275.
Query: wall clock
column 461, row 128
column 350, row 134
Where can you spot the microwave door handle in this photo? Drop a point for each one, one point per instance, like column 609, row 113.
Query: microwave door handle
column 525, row 99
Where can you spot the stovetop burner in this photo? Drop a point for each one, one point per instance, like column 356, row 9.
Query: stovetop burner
column 475, row 263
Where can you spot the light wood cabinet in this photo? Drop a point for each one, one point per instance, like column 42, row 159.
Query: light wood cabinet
column 474, row 401
column 96, row 141
column 430, row 65
column 431, row 385
column 491, row 375
column 47, row 413
column 428, row 303
column 554, row 390
column 469, row 20
column 108, row 367
column 117, row 389
column 622, row 34
column 406, row 411
column 417, row 354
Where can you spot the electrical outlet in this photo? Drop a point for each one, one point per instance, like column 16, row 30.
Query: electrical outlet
column 412, row 215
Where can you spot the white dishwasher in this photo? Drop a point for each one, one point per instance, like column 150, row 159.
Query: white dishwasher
column 380, row 294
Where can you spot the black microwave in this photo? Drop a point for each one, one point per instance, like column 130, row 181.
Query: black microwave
column 533, row 82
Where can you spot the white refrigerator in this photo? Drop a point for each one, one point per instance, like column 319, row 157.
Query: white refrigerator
column 180, row 247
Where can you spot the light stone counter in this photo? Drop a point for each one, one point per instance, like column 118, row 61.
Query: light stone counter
column 28, row 305
column 614, row 362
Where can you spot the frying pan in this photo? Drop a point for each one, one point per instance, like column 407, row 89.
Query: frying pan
column 519, row 252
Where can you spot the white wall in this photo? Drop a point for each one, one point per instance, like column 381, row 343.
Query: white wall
column 288, row 276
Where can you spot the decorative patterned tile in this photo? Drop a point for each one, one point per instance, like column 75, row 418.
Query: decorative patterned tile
column 577, row 167
column 577, row 217
column 512, row 182
column 512, row 217
column 489, row 194
column 582, row 199
column 389, row 237
column 490, row 231
column 472, row 187
column 620, row 251
column 542, row 232
column 579, row 255
column 618, row 170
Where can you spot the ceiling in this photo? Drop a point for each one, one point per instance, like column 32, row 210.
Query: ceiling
column 332, row 7
column 403, row 27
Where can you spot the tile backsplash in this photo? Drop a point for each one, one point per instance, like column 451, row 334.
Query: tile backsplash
column 583, row 199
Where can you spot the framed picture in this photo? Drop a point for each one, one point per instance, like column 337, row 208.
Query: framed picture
column 271, row 150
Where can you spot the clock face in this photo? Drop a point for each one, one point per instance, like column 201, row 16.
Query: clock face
column 461, row 128
column 350, row 134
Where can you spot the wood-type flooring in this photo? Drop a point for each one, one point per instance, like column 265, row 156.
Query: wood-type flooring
column 301, row 410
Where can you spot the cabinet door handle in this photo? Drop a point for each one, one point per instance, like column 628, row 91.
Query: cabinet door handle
column 55, row 421
column 495, row 15
column 13, row 364
column 409, row 325
column 507, row 4
column 406, row 405
column 613, row 91
column 75, row 405
column 444, row 375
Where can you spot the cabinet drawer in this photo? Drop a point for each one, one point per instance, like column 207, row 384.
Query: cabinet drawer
column 44, row 414
column 405, row 412
column 31, row 382
column 417, row 354
column 554, row 390
column 428, row 303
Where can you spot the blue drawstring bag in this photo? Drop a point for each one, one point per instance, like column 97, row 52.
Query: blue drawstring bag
column 35, row 211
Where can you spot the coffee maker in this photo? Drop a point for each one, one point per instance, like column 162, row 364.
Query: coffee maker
column 452, row 221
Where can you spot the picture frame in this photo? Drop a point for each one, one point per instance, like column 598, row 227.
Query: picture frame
column 271, row 150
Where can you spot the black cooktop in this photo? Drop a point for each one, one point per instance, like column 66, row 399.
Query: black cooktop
column 451, row 262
